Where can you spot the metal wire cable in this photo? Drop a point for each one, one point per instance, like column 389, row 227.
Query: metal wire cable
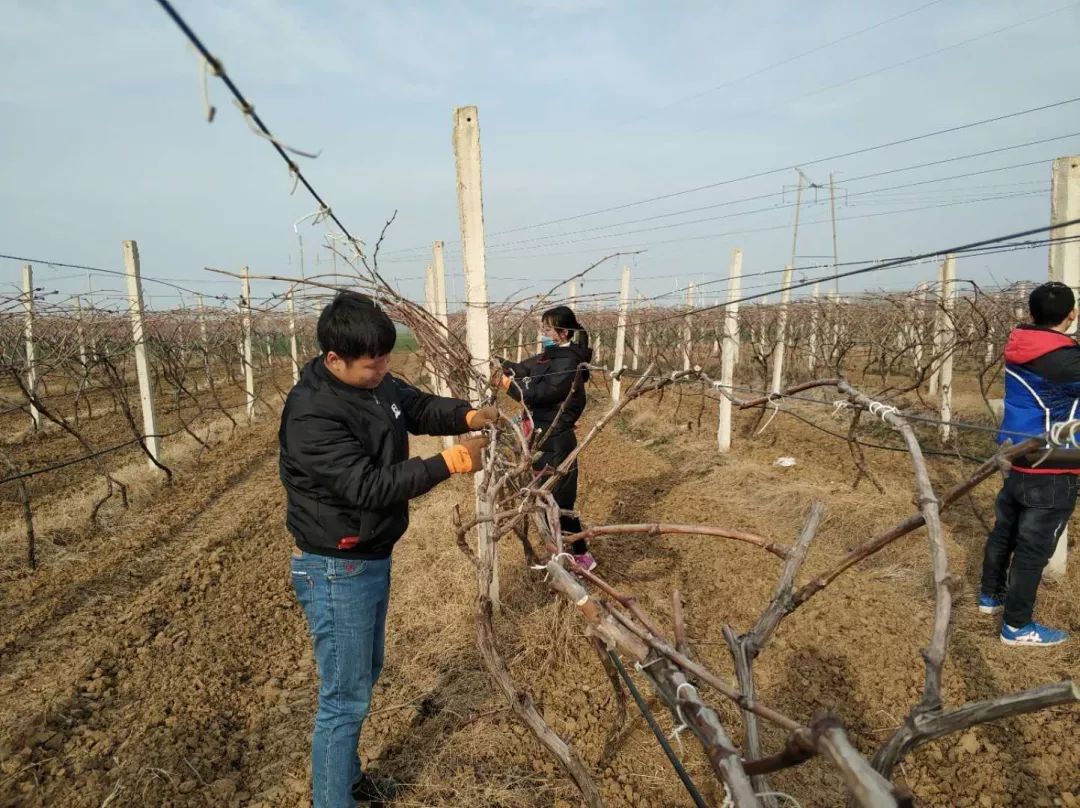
column 791, row 166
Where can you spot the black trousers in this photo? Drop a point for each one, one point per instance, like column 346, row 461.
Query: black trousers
column 1031, row 511
column 554, row 449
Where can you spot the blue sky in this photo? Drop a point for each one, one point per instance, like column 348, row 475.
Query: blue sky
column 583, row 105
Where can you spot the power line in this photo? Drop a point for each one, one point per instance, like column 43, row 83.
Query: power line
column 248, row 110
column 876, row 268
column 789, row 167
column 772, row 195
column 918, row 183
column 763, row 229
column 783, row 62
column 104, row 271
column 928, row 54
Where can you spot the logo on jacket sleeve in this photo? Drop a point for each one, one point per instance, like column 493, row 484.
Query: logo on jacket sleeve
column 394, row 409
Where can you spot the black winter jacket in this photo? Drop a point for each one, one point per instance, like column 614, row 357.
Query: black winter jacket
column 546, row 380
column 345, row 461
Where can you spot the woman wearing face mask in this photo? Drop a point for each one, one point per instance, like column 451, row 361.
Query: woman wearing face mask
column 542, row 383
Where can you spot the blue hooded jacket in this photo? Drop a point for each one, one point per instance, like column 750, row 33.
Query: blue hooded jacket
column 1042, row 387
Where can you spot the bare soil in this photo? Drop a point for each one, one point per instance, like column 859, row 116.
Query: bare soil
column 163, row 660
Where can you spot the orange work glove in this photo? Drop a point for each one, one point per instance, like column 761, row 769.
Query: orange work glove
column 485, row 416
column 499, row 380
column 465, row 457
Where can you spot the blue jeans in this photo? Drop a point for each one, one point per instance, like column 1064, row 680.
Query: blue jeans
column 345, row 604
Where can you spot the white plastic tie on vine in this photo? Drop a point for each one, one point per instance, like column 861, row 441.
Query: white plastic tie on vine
column 206, row 69
column 677, row 732
column 882, row 410
column 555, row 557
column 775, row 401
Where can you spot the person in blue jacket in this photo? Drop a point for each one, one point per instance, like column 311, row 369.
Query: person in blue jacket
column 1042, row 387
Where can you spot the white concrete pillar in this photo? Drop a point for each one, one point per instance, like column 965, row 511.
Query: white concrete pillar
column 620, row 335
column 142, row 366
column 245, row 342
column 728, row 356
column 28, row 328
column 294, row 352
column 688, row 326
column 466, row 140
column 637, row 334
column 781, row 332
column 1064, row 267
column 939, row 332
column 948, row 292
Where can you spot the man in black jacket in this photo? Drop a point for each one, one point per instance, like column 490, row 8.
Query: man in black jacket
column 346, row 469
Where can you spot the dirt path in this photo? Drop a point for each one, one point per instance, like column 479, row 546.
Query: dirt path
column 167, row 664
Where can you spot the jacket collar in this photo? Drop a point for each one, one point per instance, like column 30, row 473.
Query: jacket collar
column 1026, row 343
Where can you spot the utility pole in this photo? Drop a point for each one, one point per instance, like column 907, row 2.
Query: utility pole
column 835, row 252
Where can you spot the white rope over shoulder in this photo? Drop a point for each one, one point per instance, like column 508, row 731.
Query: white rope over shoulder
column 1063, row 433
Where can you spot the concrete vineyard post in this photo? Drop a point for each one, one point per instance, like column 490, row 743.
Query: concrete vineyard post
column 1064, row 267
column 80, row 335
column 466, row 139
column 202, row 320
column 814, row 319
column 637, row 334
column 781, row 331
column 688, row 326
column 28, row 328
column 142, row 366
column 429, row 306
column 1065, row 206
column 293, row 352
column 572, row 294
column 921, row 294
column 728, row 355
column 948, row 340
column 620, row 336
column 438, row 268
column 245, row 320
column 939, row 335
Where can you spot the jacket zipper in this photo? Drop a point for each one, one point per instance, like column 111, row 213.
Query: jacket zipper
column 382, row 409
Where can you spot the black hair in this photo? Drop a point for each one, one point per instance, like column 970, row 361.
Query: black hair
column 1050, row 303
column 352, row 325
column 564, row 319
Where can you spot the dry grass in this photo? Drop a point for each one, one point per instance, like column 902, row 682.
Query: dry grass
column 61, row 519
